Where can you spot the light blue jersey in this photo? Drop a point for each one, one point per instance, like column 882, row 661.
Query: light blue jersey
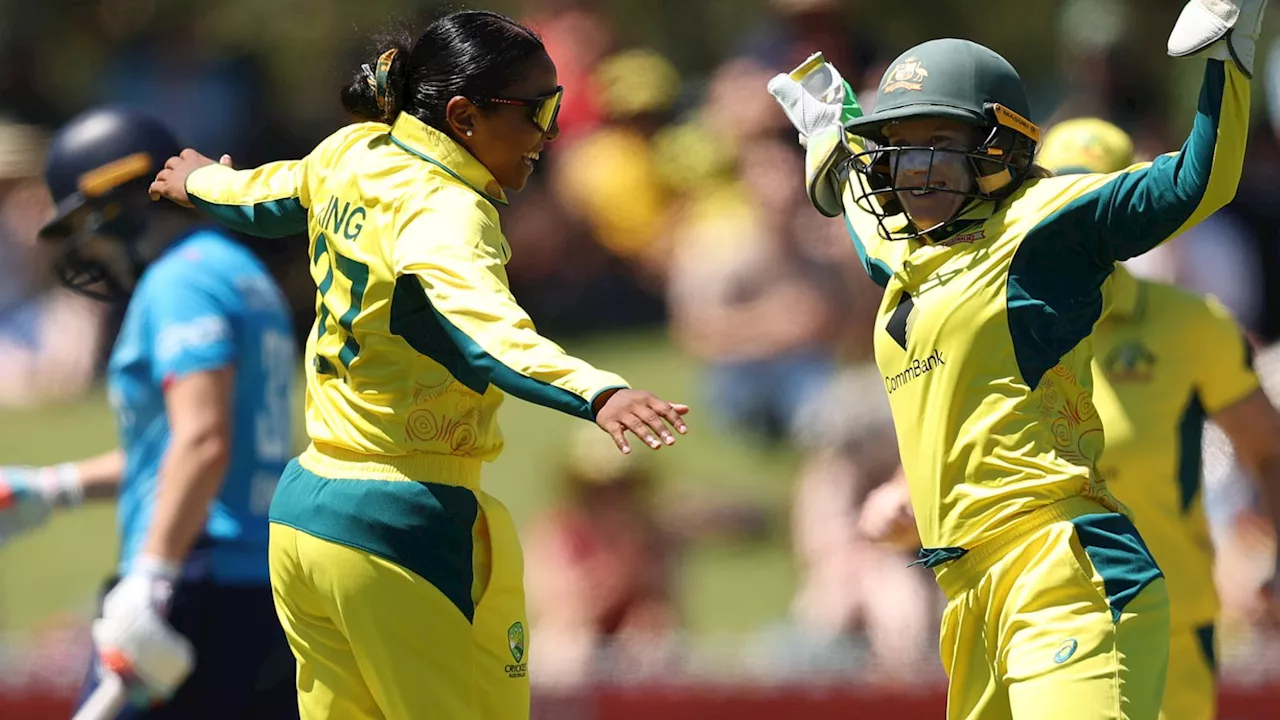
column 206, row 303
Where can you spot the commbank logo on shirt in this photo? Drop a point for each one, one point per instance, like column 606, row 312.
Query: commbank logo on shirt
column 914, row 370
column 901, row 320
column 899, row 328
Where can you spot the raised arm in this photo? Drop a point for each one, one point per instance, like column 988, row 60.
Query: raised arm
column 1120, row 215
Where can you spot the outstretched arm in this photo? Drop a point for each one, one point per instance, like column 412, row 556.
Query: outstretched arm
column 268, row 201
column 1120, row 215
column 459, row 310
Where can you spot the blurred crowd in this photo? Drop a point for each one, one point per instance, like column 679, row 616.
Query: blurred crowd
column 672, row 199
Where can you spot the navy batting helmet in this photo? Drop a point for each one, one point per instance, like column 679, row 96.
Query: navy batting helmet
column 98, row 169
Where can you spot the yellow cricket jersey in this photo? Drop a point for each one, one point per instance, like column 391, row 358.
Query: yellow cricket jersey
column 417, row 334
column 1164, row 359
column 983, row 333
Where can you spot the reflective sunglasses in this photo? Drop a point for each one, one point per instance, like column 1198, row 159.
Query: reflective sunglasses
column 545, row 108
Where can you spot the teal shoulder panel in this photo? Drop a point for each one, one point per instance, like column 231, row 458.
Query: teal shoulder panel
column 422, row 527
column 1119, row 555
column 1053, row 298
column 1138, row 210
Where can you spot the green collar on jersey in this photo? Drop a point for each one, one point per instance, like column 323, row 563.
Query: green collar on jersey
column 415, row 136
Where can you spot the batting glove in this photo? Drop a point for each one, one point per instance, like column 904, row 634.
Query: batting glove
column 133, row 638
column 29, row 494
column 1229, row 29
column 814, row 97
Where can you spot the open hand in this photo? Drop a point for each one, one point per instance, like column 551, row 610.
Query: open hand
column 171, row 181
column 641, row 412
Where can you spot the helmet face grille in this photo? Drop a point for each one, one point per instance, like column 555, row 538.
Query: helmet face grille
column 997, row 166
column 88, row 278
column 85, row 273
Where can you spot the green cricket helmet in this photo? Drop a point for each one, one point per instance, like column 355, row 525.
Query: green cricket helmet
column 955, row 80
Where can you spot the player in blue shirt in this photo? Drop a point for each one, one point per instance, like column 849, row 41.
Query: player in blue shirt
column 200, row 380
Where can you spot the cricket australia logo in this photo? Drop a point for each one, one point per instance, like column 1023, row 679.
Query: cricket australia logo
column 908, row 75
column 1130, row 362
column 516, row 642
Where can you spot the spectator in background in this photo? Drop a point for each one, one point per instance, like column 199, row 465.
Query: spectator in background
column 793, row 29
column 588, row 235
column 49, row 337
column 1243, row 535
column 172, row 70
column 732, row 115
column 610, row 177
column 748, row 297
column 600, row 565
column 579, row 36
column 598, row 568
column 853, row 544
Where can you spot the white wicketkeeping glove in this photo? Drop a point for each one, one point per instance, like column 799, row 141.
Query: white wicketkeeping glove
column 814, row 96
column 1229, row 29
column 29, row 494
column 809, row 112
column 817, row 101
column 133, row 638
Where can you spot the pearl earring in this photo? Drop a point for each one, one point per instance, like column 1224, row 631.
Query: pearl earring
column 469, row 133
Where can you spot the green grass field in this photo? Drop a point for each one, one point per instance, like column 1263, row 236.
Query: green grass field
column 725, row 586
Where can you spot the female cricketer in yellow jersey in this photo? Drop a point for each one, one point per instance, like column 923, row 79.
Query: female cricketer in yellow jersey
column 397, row 579
column 993, row 280
column 1165, row 360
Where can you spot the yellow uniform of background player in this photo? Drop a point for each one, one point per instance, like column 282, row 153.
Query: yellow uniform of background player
column 1165, row 360
column 398, row 580
column 993, row 281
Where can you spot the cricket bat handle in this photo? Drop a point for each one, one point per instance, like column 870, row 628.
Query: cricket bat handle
column 107, row 700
